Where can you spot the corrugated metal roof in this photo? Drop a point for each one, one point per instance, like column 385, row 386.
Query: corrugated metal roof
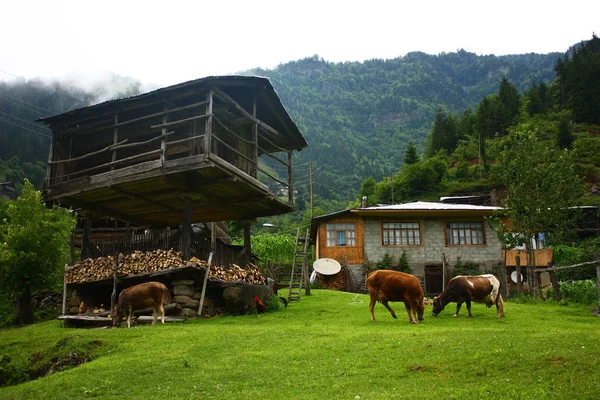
column 425, row 205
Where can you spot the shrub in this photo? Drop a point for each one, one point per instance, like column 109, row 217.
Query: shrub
column 581, row 292
column 466, row 267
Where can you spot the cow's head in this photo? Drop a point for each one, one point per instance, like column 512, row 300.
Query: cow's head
column 438, row 306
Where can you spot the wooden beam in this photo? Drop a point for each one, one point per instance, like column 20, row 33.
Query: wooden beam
column 139, row 197
column 224, row 96
column 208, row 125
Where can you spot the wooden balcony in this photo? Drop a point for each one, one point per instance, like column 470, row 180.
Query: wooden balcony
column 202, row 151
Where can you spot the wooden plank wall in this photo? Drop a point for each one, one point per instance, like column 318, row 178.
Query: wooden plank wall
column 352, row 254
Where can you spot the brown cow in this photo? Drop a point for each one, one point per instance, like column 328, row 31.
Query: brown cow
column 138, row 297
column 464, row 289
column 386, row 285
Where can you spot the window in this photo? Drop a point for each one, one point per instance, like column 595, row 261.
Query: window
column 341, row 235
column 464, row 233
column 400, row 233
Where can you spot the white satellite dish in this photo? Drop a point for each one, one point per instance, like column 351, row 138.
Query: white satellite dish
column 327, row 266
column 513, row 277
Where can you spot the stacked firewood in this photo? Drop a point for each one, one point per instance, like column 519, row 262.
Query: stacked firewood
column 333, row 282
column 251, row 274
column 92, row 269
column 151, row 261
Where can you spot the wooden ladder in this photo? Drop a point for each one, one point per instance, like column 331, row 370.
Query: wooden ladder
column 299, row 266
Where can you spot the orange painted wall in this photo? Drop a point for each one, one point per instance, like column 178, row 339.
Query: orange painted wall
column 352, row 254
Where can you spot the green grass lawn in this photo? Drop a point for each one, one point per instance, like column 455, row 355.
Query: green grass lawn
column 324, row 347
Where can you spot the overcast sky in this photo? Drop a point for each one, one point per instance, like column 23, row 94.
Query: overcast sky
column 167, row 42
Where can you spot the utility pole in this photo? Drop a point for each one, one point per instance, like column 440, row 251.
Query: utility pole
column 311, row 189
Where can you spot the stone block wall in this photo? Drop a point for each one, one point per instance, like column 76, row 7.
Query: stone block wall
column 433, row 247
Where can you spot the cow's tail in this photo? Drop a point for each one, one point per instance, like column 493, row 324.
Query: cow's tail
column 167, row 298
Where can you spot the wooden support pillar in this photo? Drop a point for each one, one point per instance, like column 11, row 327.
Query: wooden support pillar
column 113, row 296
column 85, row 241
column 49, row 167
column 519, row 283
column 255, row 140
column 555, row 285
column 208, row 125
column 186, row 230
column 247, row 243
column 115, row 141
column 291, row 177
column 64, row 298
column 163, row 142
column 598, row 278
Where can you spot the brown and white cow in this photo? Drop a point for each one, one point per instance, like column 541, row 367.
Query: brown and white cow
column 148, row 294
column 464, row 289
column 386, row 285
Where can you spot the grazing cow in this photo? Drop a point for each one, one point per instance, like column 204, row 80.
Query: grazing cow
column 464, row 289
column 385, row 285
column 148, row 294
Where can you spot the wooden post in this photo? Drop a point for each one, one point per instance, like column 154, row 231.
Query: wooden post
column 247, row 243
column 291, row 177
column 206, row 273
column 208, row 125
column 255, row 139
column 555, row 284
column 49, row 165
column 519, row 284
column 115, row 141
column 64, row 299
column 163, row 142
column 113, row 297
column 186, row 230
column 598, row 278
column 85, row 241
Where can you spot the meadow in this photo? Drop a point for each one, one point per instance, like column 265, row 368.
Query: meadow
column 324, row 347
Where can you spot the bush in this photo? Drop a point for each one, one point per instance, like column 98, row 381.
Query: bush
column 580, row 292
column 574, row 254
column 466, row 267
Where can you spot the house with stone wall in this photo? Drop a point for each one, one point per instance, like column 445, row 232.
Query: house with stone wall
column 433, row 236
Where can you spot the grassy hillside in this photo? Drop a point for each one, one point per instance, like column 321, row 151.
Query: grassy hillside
column 324, row 347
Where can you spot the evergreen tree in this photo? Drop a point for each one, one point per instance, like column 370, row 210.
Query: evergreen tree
column 578, row 79
column 410, row 155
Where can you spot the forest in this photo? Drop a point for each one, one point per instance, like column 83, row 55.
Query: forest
column 414, row 127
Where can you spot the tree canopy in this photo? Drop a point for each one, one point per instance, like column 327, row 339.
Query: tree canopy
column 34, row 247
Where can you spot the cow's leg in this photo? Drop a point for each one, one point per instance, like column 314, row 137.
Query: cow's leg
column 154, row 315
column 372, row 306
column 468, row 301
column 499, row 306
column 161, row 308
column 412, row 313
column 129, row 315
column 458, row 305
column 390, row 309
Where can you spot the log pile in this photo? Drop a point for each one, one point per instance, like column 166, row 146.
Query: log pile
column 251, row 274
column 333, row 282
column 151, row 261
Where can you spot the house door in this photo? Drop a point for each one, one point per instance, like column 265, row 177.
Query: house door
column 434, row 278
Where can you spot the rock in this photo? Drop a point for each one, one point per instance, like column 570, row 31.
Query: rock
column 240, row 299
column 189, row 313
column 186, row 282
column 183, row 290
column 186, row 302
column 197, row 294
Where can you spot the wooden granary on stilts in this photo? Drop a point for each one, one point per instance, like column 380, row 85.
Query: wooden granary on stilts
column 166, row 160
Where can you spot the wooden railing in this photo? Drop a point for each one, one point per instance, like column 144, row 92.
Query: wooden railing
column 215, row 138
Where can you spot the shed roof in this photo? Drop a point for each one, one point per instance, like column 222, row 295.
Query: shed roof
column 236, row 85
